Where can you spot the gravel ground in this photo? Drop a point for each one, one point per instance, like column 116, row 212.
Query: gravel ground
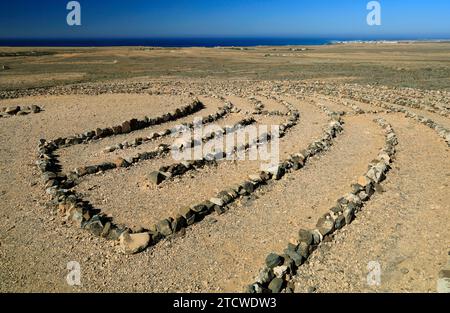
column 139, row 204
column 405, row 228
column 234, row 245
column 89, row 154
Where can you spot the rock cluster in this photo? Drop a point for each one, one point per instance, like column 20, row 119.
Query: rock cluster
column 276, row 276
column 19, row 110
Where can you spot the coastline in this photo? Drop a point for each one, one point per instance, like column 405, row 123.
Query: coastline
column 228, row 42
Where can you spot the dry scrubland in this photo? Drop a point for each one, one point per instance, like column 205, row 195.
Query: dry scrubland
column 364, row 173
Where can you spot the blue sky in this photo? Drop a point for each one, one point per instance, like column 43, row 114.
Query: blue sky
column 215, row 18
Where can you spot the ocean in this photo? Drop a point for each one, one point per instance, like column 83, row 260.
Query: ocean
column 164, row 42
column 193, row 42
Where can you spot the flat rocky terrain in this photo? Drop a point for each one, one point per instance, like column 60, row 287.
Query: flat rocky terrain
column 359, row 200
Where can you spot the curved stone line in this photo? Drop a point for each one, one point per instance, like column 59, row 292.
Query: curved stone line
column 276, row 275
column 356, row 110
column 133, row 243
column 159, row 152
column 126, row 126
column 259, row 108
column 181, row 168
column 178, row 169
column 58, row 185
column 423, row 105
column 81, row 213
column 221, row 113
column 19, row 110
column 356, row 92
column 442, row 131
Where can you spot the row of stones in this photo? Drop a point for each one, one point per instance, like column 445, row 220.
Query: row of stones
column 80, row 213
column 279, row 270
column 443, row 132
column 221, row 113
column 160, row 151
column 73, row 208
column 178, row 169
column 356, row 109
column 406, row 97
column 126, row 126
column 260, row 109
column 135, row 242
column 19, row 110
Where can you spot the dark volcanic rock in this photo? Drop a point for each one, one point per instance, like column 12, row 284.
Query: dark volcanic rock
column 273, row 260
column 276, row 285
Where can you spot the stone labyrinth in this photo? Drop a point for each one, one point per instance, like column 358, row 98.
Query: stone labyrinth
column 146, row 140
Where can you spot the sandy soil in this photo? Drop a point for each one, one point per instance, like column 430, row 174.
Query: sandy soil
column 393, row 229
column 405, row 228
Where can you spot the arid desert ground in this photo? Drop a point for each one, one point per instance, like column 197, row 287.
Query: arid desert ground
column 363, row 178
